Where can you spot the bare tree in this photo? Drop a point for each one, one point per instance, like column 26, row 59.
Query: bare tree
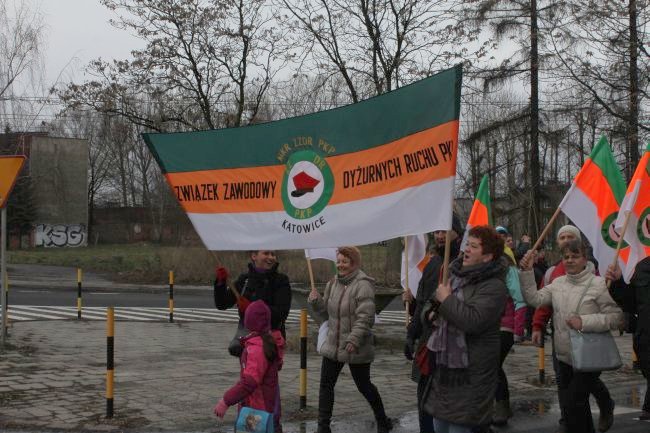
column 522, row 24
column 375, row 45
column 21, row 41
column 206, row 63
column 601, row 50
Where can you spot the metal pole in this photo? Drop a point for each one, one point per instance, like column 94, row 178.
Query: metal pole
column 7, row 300
column 110, row 364
column 171, row 296
column 78, row 293
column 3, row 273
column 303, row 359
column 540, row 361
column 407, row 304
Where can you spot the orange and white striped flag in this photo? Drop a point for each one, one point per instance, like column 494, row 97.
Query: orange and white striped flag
column 416, row 250
column 593, row 201
column 637, row 204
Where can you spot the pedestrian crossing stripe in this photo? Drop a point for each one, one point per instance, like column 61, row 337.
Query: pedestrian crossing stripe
column 21, row 313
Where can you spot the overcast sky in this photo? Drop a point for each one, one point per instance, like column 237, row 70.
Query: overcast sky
column 76, row 32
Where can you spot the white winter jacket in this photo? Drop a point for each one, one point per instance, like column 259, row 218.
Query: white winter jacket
column 598, row 311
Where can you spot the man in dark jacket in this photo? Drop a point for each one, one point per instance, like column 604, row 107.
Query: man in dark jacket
column 416, row 333
column 635, row 301
column 263, row 282
column 640, row 284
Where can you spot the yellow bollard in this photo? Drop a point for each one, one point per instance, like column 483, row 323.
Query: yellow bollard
column 303, row 359
column 79, row 293
column 110, row 346
column 635, row 359
column 540, row 365
column 171, row 296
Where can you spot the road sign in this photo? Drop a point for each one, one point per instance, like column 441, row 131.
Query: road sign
column 9, row 168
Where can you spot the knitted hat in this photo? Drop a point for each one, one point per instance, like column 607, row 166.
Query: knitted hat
column 502, row 230
column 571, row 229
column 257, row 317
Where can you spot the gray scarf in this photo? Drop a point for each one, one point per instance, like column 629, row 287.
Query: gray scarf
column 447, row 342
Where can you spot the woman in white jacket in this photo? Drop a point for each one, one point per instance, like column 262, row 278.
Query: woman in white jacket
column 598, row 313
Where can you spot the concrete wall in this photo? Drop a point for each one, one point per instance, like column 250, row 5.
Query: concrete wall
column 125, row 225
column 59, row 171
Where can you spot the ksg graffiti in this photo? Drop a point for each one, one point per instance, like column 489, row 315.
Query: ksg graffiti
column 61, row 235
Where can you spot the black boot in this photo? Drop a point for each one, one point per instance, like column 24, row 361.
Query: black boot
column 324, row 428
column 384, row 425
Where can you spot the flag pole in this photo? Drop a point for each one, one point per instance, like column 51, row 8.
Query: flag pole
column 230, row 287
column 546, row 229
column 445, row 262
column 407, row 304
column 311, row 275
column 619, row 245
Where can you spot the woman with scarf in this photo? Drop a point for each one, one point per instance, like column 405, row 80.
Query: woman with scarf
column 580, row 301
column 349, row 305
column 465, row 344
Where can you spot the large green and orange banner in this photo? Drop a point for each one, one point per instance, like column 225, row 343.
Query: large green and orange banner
column 375, row 170
column 636, row 208
column 593, row 202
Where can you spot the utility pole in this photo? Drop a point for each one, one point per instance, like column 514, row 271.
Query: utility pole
column 3, row 275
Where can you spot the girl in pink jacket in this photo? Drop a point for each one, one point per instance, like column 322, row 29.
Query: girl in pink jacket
column 261, row 360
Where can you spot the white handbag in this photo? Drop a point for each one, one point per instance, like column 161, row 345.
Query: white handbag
column 593, row 351
column 322, row 335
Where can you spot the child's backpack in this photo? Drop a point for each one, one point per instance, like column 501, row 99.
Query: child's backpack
column 253, row 421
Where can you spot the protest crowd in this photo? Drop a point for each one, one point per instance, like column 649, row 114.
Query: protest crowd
column 474, row 293
column 460, row 333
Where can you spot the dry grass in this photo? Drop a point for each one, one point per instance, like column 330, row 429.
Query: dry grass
column 150, row 263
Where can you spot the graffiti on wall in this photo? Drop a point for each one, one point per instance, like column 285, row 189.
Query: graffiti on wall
column 61, row 235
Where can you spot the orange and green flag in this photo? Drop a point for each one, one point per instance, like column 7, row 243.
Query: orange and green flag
column 593, row 202
column 637, row 204
column 379, row 169
column 481, row 213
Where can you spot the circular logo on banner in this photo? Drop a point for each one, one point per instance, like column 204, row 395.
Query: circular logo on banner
column 643, row 227
column 611, row 236
column 307, row 185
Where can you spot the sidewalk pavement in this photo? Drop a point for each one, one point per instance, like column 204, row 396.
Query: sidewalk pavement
column 169, row 376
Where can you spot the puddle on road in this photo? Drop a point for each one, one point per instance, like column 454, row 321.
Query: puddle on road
column 627, row 400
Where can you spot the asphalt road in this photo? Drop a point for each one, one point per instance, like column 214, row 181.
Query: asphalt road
column 57, row 286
